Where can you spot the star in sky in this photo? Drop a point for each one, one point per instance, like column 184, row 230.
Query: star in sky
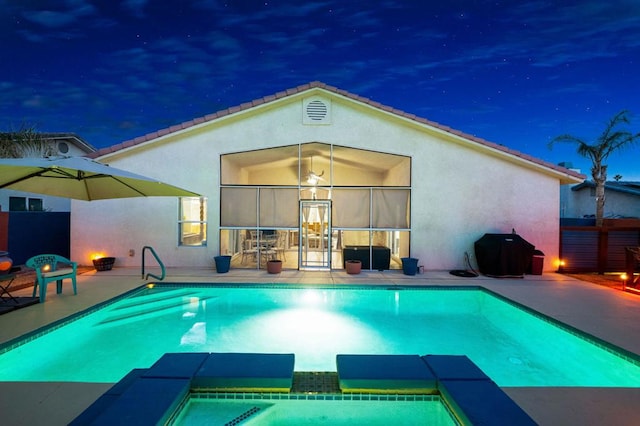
column 517, row 73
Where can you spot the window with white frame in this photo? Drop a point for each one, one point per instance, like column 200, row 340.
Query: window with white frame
column 193, row 221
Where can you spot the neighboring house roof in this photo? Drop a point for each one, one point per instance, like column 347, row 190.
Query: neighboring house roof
column 632, row 188
column 70, row 138
column 566, row 175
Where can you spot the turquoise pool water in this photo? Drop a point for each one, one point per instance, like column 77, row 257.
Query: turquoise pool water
column 322, row 410
column 512, row 346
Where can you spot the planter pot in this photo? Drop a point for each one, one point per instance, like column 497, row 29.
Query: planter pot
column 409, row 265
column 274, row 266
column 223, row 264
column 353, row 266
column 104, row 263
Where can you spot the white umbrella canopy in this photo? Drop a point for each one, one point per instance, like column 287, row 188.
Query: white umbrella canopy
column 80, row 178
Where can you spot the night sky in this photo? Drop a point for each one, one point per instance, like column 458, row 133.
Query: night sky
column 517, row 73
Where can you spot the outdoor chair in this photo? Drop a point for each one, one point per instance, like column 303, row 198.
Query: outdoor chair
column 250, row 246
column 281, row 245
column 47, row 267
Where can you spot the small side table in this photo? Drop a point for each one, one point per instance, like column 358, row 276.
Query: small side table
column 4, row 289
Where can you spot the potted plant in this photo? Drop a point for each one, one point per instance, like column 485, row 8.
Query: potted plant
column 274, row 266
column 353, row 266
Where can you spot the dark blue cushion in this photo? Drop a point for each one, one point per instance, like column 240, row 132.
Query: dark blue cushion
column 246, row 371
column 177, row 365
column 146, row 402
column 482, row 402
column 454, row 367
column 384, row 373
column 102, row 403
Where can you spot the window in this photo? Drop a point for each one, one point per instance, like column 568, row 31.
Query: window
column 370, row 193
column 193, row 222
column 23, row 204
column 35, row 204
column 18, row 204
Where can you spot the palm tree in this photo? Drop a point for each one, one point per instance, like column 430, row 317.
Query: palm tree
column 610, row 140
column 26, row 142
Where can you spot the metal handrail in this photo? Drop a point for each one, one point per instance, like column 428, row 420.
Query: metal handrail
column 162, row 268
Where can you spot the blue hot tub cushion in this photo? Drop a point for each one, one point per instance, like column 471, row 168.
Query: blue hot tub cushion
column 384, row 374
column 454, row 367
column 482, row 402
column 246, row 372
column 177, row 365
column 145, row 401
column 107, row 398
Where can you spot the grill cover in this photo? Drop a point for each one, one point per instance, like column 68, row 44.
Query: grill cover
column 503, row 255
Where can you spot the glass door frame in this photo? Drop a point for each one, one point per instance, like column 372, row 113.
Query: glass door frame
column 320, row 257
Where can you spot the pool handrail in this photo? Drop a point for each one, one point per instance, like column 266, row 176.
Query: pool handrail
column 162, row 268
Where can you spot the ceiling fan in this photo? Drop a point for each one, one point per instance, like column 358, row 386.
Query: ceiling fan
column 312, row 177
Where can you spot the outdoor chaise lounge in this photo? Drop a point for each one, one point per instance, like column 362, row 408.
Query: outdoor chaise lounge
column 48, row 269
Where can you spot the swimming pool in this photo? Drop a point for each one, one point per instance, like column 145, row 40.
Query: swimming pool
column 513, row 346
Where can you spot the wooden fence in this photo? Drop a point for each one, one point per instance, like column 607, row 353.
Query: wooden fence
column 597, row 249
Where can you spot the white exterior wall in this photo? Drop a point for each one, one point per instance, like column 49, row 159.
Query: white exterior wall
column 458, row 193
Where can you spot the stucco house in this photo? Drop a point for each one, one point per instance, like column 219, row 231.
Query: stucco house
column 622, row 200
column 313, row 174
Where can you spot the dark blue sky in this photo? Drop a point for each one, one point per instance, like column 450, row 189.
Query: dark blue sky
column 516, row 73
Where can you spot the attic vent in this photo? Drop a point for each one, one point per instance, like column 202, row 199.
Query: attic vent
column 317, row 111
column 63, row 147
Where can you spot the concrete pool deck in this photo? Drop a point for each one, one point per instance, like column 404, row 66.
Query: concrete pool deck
column 611, row 315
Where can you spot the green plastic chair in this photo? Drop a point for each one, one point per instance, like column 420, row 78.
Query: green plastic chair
column 47, row 267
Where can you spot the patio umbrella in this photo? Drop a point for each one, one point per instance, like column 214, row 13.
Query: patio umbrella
column 80, row 178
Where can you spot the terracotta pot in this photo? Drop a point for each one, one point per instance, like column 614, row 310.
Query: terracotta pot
column 274, row 266
column 353, row 266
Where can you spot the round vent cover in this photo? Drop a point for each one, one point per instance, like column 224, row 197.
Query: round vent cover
column 63, row 147
column 317, row 110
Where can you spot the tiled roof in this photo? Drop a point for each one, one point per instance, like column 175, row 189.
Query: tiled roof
column 318, row 84
column 632, row 188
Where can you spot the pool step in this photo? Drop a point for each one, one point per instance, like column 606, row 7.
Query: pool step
column 159, row 296
column 152, row 308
